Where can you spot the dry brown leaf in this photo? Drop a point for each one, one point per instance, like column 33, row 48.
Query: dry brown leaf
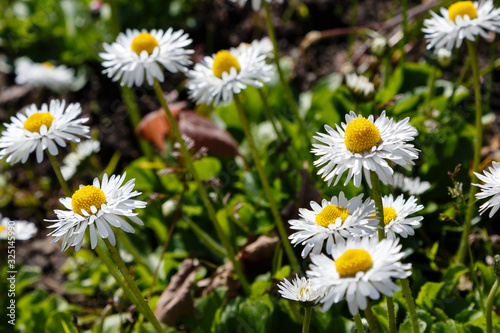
column 155, row 127
column 224, row 277
column 176, row 300
column 262, row 248
column 14, row 93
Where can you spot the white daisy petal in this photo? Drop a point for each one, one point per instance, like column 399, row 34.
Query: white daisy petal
column 490, row 188
column 300, row 290
column 56, row 78
column 15, row 229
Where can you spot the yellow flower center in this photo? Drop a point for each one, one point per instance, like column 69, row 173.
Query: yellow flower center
column 36, row 120
column 389, row 215
column 223, row 62
column 47, row 64
column 462, row 8
column 301, row 292
column 2, row 228
column 361, row 135
column 353, row 261
column 330, row 213
column 86, row 197
column 144, row 41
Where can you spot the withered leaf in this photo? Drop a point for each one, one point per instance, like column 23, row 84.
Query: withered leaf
column 262, row 248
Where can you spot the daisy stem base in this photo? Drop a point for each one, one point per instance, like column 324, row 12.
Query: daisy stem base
column 140, row 301
column 489, row 305
column 370, row 318
column 464, row 243
column 60, row 178
column 405, row 286
column 359, row 323
column 391, row 313
column 267, row 188
column 203, row 193
column 307, row 319
column 284, row 84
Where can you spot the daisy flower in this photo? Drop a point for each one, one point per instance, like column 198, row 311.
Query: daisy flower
column 100, row 205
column 360, row 87
column 136, row 54
column 490, row 188
column 396, row 218
column 363, row 145
column 412, row 186
column 463, row 19
column 57, row 78
column 256, row 4
column 221, row 75
column 262, row 46
column 332, row 221
column 300, row 290
column 361, row 268
column 72, row 160
column 41, row 129
column 20, row 230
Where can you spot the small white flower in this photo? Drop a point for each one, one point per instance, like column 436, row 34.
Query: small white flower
column 333, row 221
column 221, row 75
column 463, row 19
column 256, row 4
column 41, row 129
column 57, row 78
column 138, row 54
column 100, row 205
column 396, row 218
column 412, row 186
column 262, row 46
column 300, row 290
column 83, row 150
column 361, row 268
column 20, row 230
column 443, row 57
column 379, row 46
column 490, row 188
column 361, row 88
column 364, row 145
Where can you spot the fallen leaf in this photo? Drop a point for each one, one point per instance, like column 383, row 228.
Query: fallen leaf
column 176, row 300
column 14, row 93
column 224, row 277
column 262, row 248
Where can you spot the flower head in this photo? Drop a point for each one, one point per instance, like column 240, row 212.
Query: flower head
column 20, row 230
column 300, row 290
column 412, row 186
column 256, row 4
column 364, row 145
column 138, row 54
column 41, row 129
column 361, row 268
column 463, row 19
column 226, row 73
column 332, row 221
column 396, row 214
column 83, row 150
column 361, row 88
column 100, row 205
column 262, row 46
column 57, row 78
column 490, row 188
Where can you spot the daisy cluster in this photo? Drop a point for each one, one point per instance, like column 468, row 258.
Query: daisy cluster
column 341, row 235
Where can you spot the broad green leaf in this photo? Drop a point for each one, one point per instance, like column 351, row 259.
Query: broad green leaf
column 59, row 322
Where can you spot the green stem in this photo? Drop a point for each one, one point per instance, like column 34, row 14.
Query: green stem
column 265, row 184
column 293, row 158
column 307, row 319
column 135, row 118
column 352, row 24
column 377, row 197
column 370, row 318
column 201, row 188
column 141, row 302
column 60, row 178
column 205, row 238
column 489, row 305
column 432, row 85
column 392, row 314
column 405, row 285
column 296, row 312
column 478, row 140
column 359, row 323
column 284, row 84
column 132, row 250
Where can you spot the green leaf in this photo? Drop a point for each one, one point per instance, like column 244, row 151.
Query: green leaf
column 448, row 326
column 428, row 294
column 207, row 167
column 60, row 322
